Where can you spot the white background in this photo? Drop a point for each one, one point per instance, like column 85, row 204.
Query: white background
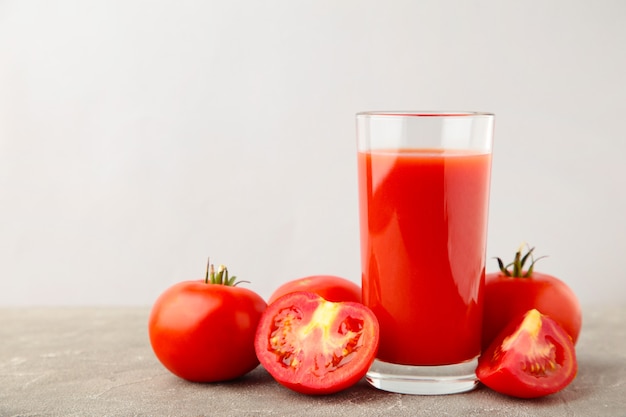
column 139, row 137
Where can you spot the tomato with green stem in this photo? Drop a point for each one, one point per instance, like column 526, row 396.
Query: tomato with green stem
column 516, row 289
column 203, row 330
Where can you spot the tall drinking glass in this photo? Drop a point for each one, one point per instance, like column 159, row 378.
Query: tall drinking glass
column 423, row 196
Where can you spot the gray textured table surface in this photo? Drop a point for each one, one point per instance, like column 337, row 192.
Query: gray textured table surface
column 98, row 362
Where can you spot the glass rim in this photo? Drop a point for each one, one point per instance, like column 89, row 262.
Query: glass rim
column 424, row 113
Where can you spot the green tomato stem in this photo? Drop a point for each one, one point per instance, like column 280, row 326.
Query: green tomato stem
column 208, row 266
column 518, row 264
column 220, row 277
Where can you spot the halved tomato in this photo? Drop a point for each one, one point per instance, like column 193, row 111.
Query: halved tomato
column 315, row 346
column 531, row 358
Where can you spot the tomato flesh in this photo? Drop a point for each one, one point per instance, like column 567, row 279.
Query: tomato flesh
column 532, row 357
column 329, row 287
column 315, row 346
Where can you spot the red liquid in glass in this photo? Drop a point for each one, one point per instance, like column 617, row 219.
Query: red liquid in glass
column 423, row 240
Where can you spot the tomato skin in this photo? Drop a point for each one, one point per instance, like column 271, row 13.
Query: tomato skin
column 508, row 297
column 314, row 346
column 329, row 287
column 532, row 357
column 205, row 332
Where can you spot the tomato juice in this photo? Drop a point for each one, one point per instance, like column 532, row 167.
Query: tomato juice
column 423, row 220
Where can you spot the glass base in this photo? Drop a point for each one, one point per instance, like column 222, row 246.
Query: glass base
column 423, row 380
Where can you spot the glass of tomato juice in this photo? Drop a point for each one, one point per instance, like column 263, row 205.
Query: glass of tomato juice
column 424, row 182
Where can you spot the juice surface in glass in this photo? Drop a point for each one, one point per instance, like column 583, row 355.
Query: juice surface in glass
column 423, row 219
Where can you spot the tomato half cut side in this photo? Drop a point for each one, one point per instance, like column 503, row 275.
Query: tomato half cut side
column 532, row 357
column 315, row 346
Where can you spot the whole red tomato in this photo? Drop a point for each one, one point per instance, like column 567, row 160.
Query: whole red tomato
column 329, row 287
column 514, row 290
column 203, row 331
column 532, row 357
column 315, row 346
